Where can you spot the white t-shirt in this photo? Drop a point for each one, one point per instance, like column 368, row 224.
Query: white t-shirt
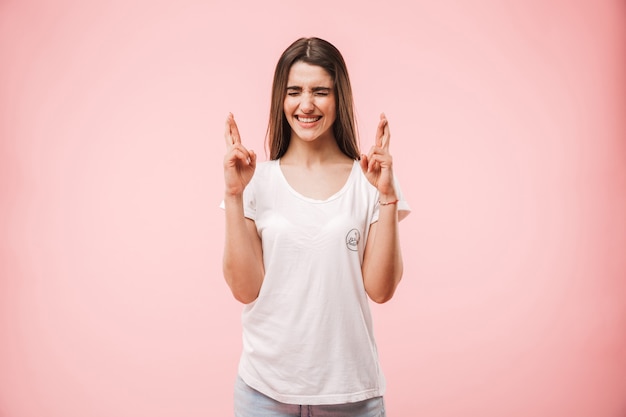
column 308, row 337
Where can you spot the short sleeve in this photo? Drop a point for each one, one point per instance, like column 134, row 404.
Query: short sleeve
column 403, row 206
column 249, row 201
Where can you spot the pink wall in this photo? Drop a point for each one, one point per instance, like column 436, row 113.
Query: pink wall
column 509, row 139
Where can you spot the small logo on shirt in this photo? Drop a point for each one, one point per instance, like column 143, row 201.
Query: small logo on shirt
column 352, row 239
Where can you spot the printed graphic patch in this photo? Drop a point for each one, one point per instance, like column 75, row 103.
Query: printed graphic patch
column 352, row 239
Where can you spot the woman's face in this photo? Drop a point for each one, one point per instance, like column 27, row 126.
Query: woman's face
column 309, row 104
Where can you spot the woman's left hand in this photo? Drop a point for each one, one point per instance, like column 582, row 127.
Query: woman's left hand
column 377, row 165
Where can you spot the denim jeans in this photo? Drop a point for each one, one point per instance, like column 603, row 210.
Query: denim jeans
column 251, row 403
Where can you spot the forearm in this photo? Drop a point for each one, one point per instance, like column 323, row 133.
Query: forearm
column 382, row 265
column 243, row 257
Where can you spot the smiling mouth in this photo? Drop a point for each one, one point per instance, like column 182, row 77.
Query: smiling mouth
column 305, row 119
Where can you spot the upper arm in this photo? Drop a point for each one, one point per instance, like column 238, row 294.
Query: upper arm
column 382, row 261
column 255, row 240
column 367, row 255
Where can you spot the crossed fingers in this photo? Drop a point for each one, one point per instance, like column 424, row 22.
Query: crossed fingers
column 382, row 133
column 379, row 153
column 233, row 140
column 231, row 134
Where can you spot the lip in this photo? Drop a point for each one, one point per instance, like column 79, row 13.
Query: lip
column 311, row 119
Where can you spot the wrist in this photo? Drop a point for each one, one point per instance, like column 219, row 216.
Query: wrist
column 391, row 203
column 388, row 199
column 233, row 197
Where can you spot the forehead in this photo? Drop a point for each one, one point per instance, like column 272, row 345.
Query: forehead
column 303, row 74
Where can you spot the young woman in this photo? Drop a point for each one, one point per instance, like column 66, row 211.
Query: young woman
column 310, row 235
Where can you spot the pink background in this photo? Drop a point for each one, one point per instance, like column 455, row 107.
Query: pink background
column 509, row 138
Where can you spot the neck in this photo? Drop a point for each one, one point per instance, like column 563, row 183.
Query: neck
column 318, row 152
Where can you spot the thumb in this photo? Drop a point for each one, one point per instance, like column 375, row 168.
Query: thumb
column 252, row 158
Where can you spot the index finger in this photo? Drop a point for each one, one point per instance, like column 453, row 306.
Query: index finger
column 380, row 132
column 231, row 135
column 386, row 135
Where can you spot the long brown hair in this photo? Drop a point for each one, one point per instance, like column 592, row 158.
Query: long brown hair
column 313, row 51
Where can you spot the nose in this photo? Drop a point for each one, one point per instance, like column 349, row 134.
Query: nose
column 307, row 105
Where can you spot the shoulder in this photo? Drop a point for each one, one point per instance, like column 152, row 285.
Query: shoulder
column 361, row 180
column 266, row 166
column 264, row 170
column 264, row 174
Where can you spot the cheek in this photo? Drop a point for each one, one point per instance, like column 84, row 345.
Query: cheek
column 288, row 106
column 332, row 111
column 333, row 107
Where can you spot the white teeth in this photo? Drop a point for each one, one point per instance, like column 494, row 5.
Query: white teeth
column 308, row 119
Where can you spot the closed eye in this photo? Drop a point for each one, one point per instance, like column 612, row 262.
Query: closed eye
column 321, row 91
column 294, row 91
column 317, row 91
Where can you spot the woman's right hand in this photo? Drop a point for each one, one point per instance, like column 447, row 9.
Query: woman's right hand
column 239, row 163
